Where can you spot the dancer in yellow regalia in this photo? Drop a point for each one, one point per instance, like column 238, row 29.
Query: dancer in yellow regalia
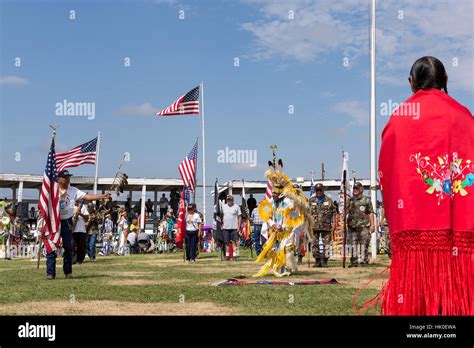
column 287, row 216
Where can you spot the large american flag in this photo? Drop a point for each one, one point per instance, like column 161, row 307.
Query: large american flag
column 185, row 105
column 49, row 203
column 187, row 169
column 82, row 154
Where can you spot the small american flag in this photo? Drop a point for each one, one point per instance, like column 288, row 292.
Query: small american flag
column 49, row 203
column 268, row 193
column 185, row 105
column 187, row 169
column 312, row 189
column 82, row 154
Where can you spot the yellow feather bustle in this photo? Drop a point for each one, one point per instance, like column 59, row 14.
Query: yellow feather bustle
column 265, row 210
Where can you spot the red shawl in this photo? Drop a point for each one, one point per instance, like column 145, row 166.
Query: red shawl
column 426, row 171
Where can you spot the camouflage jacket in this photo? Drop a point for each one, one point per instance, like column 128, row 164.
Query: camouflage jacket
column 322, row 213
column 358, row 212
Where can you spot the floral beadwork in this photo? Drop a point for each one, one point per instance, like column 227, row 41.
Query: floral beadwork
column 445, row 177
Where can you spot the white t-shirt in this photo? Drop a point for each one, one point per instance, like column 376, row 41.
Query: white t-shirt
column 67, row 201
column 81, row 224
column 231, row 215
column 193, row 221
column 163, row 203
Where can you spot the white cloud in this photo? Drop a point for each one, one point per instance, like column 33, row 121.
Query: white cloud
column 315, row 30
column 440, row 28
column 134, row 110
column 357, row 111
column 12, row 80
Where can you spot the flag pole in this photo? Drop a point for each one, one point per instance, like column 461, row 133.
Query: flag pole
column 373, row 128
column 195, row 171
column 344, row 224
column 97, row 163
column 203, row 156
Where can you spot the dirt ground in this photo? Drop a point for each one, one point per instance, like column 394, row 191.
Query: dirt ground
column 113, row 308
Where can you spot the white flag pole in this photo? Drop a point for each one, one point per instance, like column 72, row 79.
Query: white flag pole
column 203, row 155
column 373, row 129
column 97, row 163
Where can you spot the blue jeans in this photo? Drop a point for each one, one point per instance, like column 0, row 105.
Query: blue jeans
column 66, row 235
column 91, row 239
column 258, row 239
column 191, row 244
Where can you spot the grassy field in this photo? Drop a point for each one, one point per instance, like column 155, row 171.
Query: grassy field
column 165, row 285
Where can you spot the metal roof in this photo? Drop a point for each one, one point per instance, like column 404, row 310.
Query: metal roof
column 261, row 186
column 87, row 183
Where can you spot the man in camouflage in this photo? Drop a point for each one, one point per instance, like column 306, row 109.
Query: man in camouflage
column 323, row 212
column 360, row 221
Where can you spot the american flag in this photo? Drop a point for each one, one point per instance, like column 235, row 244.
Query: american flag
column 82, row 154
column 187, row 169
column 312, row 189
column 185, row 105
column 49, row 203
column 268, row 193
column 187, row 195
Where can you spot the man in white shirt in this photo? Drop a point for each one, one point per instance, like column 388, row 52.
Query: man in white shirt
column 193, row 232
column 163, row 206
column 232, row 219
column 68, row 196
column 79, row 235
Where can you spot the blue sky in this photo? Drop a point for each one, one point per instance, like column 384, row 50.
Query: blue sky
column 283, row 62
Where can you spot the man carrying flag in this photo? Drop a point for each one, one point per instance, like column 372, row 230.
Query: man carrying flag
column 52, row 193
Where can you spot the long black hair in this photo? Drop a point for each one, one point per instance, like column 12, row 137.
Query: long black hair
column 428, row 72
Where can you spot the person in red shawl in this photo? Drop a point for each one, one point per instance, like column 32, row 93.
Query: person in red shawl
column 426, row 172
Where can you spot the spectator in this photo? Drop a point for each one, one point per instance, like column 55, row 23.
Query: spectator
column 138, row 207
column 132, row 240
column 251, row 203
column 232, row 220
column 92, row 227
column 258, row 239
column 122, row 229
column 193, row 232
column 144, row 241
column 131, row 215
column 149, row 207
column 107, row 236
column 32, row 216
column 163, row 206
column 174, row 201
column 79, row 236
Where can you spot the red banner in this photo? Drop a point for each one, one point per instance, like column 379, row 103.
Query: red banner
column 181, row 231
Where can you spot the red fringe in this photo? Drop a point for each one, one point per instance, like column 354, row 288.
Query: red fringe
column 432, row 273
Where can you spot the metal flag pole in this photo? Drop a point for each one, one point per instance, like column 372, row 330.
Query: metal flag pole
column 373, row 128
column 203, row 156
column 97, row 164
column 344, row 223
column 195, row 171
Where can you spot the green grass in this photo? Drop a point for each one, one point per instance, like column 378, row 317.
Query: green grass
column 22, row 282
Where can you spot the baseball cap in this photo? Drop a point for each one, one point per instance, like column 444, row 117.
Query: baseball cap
column 64, row 174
